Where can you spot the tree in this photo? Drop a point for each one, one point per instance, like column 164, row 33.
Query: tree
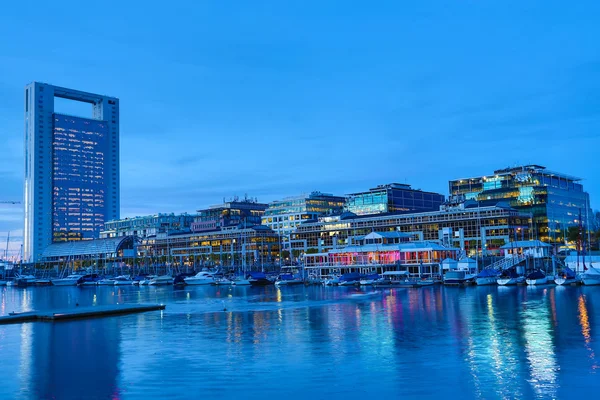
column 312, row 250
column 573, row 234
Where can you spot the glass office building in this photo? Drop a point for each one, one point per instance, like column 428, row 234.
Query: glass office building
column 393, row 198
column 149, row 225
column 238, row 212
column 554, row 200
column 71, row 184
column 78, row 196
column 283, row 216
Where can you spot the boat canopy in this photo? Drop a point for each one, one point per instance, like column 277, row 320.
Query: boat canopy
column 351, row 276
column 536, row 275
column 510, row 273
column 488, row 273
column 395, row 273
column 286, row 277
column 569, row 273
column 257, row 274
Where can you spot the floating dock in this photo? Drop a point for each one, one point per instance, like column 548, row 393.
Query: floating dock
column 78, row 313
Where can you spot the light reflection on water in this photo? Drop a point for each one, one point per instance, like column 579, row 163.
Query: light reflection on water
column 243, row 342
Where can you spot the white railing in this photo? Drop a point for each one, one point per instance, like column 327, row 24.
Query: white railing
column 506, row 263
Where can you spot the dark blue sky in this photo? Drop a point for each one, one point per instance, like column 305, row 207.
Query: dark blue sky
column 274, row 98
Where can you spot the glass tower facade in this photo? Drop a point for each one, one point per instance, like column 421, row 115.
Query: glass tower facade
column 71, row 184
column 283, row 216
column 242, row 213
column 79, row 183
column 393, row 198
column 554, row 200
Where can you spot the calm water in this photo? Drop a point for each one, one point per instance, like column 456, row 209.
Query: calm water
column 307, row 342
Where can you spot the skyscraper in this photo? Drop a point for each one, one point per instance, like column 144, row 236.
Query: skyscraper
column 71, row 168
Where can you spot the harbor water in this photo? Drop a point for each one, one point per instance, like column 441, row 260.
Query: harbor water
column 222, row 342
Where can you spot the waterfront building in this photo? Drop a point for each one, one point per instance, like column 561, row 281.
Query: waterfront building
column 71, row 185
column 393, row 198
column 88, row 253
column 283, row 216
column 255, row 247
column 554, row 199
column 380, row 252
column 465, row 225
column 150, row 225
column 243, row 213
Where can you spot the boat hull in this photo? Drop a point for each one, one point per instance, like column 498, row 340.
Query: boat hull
column 565, row 281
column 289, row 282
column 198, row 282
column 539, row 281
column 123, row 283
column 590, row 281
column 65, row 282
column 510, row 281
column 260, row 282
column 490, row 280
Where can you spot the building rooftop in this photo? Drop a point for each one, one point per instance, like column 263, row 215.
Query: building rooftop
column 532, row 168
column 391, row 186
column 85, row 247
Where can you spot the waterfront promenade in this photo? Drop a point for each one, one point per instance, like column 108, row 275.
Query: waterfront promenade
column 316, row 342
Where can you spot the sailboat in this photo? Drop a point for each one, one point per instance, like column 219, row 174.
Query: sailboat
column 488, row 276
column 537, row 277
column 566, row 277
column 591, row 277
column 510, row 277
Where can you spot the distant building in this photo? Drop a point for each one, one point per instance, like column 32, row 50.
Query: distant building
column 243, row 213
column 393, row 198
column 255, row 247
column 71, row 168
column 465, row 225
column 283, row 216
column 554, row 199
column 150, row 225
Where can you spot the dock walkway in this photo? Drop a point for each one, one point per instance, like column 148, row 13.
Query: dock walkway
column 79, row 312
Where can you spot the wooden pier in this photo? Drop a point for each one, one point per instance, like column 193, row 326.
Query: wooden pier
column 78, row 313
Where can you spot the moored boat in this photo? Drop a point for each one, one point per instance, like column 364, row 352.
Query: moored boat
column 25, row 280
column 71, row 280
column 370, row 279
column 350, row 279
column 258, row 279
column 510, row 277
column 106, row 282
column 393, row 279
column 537, row 277
column 591, row 277
column 161, row 280
column 89, row 280
column 122, row 280
column 201, row 278
column 288, row 279
column 458, row 277
column 566, row 277
column 488, row 276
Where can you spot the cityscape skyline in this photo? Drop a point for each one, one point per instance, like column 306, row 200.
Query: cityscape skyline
column 277, row 93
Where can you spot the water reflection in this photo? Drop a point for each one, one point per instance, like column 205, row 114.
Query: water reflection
column 539, row 346
column 484, row 342
column 584, row 321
